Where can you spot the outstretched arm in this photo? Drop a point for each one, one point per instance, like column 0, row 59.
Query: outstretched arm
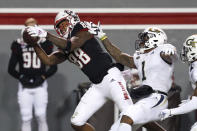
column 76, row 41
column 52, row 59
column 113, row 50
column 118, row 55
column 186, row 106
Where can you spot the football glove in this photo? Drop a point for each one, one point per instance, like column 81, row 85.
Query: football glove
column 25, row 81
column 36, row 31
column 164, row 114
column 38, row 81
column 96, row 30
column 168, row 49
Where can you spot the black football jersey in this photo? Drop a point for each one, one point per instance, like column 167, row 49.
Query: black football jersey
column 29, row 63
column 90, row 57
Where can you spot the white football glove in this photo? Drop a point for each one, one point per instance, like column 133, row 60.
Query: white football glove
column 96, row 30
column 169, row 49
column 36, row 31
column 164, row 114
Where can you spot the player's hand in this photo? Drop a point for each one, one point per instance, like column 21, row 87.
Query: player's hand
column 38, row 80
column 24, row 80
column 36, row 31
column 168, row 49
column 96, row 30
column 164, row 114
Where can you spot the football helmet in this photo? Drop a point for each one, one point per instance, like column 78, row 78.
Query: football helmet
column 189, row 50
column 151, row 37
column 69, row 15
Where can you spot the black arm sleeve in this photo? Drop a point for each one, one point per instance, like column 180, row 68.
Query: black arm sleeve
column 52, row 70
column 12, row 65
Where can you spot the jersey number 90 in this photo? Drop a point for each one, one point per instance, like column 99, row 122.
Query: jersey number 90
column 31, row 60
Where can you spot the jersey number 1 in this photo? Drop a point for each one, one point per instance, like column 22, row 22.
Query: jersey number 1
column 143, row 73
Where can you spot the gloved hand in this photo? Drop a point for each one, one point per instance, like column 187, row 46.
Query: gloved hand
column 25, row 81
column 164, row 114
column 38, row 80
column 36, row 31
column 168, row 49
column 96, row 30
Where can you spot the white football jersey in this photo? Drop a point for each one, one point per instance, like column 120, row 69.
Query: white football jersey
column 193, row 73
column 153, row 70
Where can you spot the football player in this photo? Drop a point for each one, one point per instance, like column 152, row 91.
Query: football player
column 154, row 59
column 81, row 48
column 189, row 55
column 32, row 75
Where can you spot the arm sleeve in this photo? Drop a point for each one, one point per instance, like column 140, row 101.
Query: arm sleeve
column 186, row 107
column 52, row 70
column 194, row 75
column 13, row 62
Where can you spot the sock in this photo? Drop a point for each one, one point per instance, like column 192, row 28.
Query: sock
column 124, row 127
column 26, row 126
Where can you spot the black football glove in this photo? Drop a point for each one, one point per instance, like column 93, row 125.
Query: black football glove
column 38, row 81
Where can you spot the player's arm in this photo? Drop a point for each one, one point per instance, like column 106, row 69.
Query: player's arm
column 69, row 45
column 195, row 91
column 186, row 106
column 118, row 55
column 12, row 66
column 13, row 62
column 76, row 41
column 52, row 59
column 113, row 50
column 168, row 53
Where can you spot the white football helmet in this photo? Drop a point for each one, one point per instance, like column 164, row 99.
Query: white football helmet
column 69, row 15
column 189, row 50
column 151, row 37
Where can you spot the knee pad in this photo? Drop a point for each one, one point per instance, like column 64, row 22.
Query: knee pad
column 41, row 119
column 26, row 115
column 40, row 112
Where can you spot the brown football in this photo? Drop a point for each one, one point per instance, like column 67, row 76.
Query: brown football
column 29, row 39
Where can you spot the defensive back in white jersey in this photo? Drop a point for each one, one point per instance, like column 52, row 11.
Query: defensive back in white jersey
column 193, row 72
column 153, row 70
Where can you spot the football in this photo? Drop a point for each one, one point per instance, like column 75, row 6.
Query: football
column 29, row 39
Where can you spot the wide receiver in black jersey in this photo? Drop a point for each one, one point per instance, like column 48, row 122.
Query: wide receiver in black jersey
column 32, row 75
column 81, row 48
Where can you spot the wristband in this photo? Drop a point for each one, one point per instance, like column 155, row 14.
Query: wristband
column 103, row 38
column 68, row 47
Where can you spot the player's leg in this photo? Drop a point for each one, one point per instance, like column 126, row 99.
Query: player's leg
column 117, row 89
column 91, row 101
column 144, row 111
column 25, row 101
column 40, row 106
